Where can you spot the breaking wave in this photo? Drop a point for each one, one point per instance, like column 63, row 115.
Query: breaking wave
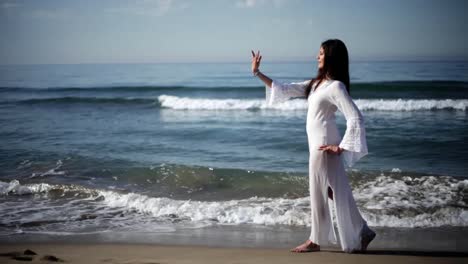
column 186, row 103
column 388, row 201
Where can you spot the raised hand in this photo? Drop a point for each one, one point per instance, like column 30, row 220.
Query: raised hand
column 256, row 58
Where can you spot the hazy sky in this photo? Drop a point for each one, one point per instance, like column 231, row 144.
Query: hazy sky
column 105, row 31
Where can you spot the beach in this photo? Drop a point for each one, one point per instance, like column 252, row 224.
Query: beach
column 238, row 245
column 171, row 163
column 152, row 254
column 177, row 131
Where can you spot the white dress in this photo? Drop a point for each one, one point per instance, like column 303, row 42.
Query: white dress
column 327, row 170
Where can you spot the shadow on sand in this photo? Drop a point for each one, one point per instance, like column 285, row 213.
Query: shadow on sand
column 444, row 254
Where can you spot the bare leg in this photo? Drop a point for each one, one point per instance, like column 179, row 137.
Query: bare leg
column 307, row 246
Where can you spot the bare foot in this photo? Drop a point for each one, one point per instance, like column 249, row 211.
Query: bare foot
column 307, row 246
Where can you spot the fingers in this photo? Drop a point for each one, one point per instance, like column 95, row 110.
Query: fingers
column 256, row 56
column 330, row 149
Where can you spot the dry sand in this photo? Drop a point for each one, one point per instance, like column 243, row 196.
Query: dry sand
column 152, row 254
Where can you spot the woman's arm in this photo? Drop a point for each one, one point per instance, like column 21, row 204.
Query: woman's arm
column 276, row 91
column 354, row 143
column 256, row 59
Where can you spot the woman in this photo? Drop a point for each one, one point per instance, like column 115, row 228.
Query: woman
column 326, row 93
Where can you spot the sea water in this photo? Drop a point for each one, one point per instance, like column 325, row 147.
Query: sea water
column 154, row 148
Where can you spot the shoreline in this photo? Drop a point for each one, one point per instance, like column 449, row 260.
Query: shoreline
column 441, row 239
column 145, row 253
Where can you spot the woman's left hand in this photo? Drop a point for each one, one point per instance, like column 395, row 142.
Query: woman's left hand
column 332, row 149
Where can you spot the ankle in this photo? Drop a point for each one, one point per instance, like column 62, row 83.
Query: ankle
column 309, row 243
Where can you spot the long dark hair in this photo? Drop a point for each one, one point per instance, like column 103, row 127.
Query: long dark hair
column 335, row 66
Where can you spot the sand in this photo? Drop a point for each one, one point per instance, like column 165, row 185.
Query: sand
column 152, row 254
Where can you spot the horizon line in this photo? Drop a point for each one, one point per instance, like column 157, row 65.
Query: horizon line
column 291, row 59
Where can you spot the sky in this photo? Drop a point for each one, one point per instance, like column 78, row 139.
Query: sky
column 147, row 31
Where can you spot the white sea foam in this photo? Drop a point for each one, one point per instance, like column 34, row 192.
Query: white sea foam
column 51, row 172
column 14, row 187
column 412, row 104
column 187, row 103
column 414, row 201
column 266, row 211
column 408, row 202
column 384, row 201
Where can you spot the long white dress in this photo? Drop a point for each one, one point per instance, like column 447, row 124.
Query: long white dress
column 327, row 170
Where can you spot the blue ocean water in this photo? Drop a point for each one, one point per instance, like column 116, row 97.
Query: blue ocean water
column 86, row 148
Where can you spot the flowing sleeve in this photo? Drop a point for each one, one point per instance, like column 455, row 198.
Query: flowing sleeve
column 354, row 140
column 280, row 92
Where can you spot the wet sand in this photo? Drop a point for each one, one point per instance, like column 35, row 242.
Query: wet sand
column 152, row 254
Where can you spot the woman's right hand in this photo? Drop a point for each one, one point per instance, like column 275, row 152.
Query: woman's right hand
column 256, row 58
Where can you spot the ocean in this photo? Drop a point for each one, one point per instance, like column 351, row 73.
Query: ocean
column 115, row 150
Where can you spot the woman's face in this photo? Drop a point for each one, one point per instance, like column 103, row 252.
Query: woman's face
column 321, row 58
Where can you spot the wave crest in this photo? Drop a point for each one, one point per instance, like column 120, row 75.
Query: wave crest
column 186, row 103
column 387, row 201
column 412, row 104
column 410, row 202
column 15, row 188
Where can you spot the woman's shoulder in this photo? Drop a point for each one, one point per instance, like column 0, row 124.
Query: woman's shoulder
column 337, row 89
column 337, row 86
column 337, row 83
